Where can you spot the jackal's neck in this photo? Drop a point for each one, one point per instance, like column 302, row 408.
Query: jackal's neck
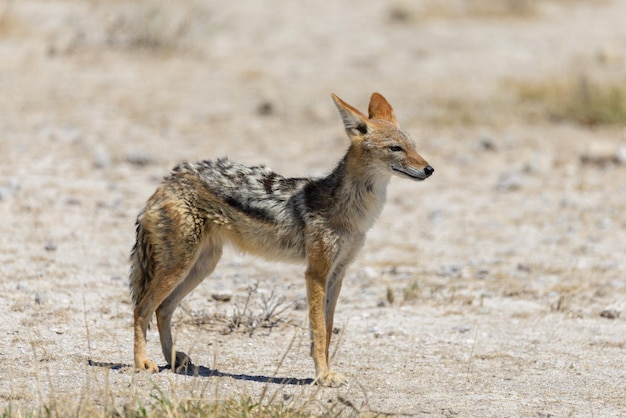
column 359, row 191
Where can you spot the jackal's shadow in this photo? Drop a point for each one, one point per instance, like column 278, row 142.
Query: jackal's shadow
column 202, row 371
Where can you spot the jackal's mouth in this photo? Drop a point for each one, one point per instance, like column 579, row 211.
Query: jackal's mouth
column 411, row 173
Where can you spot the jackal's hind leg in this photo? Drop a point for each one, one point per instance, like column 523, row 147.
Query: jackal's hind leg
column 204, row 265
column 158, row 290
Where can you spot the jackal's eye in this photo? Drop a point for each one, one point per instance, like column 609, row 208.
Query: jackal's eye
column 395, row 148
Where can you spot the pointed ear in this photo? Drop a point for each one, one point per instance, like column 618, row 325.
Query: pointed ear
column 380, row 108
column 354, row 121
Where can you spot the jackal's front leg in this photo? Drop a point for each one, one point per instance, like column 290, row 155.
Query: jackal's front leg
column 316, row 276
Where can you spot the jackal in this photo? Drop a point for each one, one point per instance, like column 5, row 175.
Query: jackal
column 319, row 221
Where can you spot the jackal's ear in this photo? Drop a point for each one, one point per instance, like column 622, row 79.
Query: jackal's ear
column 355, row 122
column 380, row 108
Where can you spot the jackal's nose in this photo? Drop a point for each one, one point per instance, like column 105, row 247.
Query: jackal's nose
column 428, row 170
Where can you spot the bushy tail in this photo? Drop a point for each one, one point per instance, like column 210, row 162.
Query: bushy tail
column 141, row 264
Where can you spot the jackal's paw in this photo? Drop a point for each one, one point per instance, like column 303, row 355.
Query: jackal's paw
column 182, row 363
column 145, row 364
column 331, row 379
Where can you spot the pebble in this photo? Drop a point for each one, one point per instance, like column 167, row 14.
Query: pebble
column 449, row 270
column 102, row 159
column 603, row 153
column 265, row 108
column 40, row 298
column 509, row 182
column 488, row 144
column 139, row 158
column 9, row 189
column 5, row 193
column 612, row 311
column 463, row 329
column 222, row 296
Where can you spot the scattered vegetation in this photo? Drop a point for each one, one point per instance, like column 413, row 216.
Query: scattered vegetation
column 235, row 407
column 473, row 9
column 412, row 292
column 580, row 100
column 155, row 24
column 464, row 9
column 259, row 310
column 161, row 405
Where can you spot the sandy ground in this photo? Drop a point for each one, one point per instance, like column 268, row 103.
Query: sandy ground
column 495, row 288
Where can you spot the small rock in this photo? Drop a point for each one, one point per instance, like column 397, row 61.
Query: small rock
column 139, row 158
column 73, row 201
column 5, row 193
column 612, row 311
column 398, row 14
column 463, row 329
column 265, row 108
column 449, row 270
column 40, row 298
column 509, row 182
column 102, row 159
column 9, row 189
column 222, row 297
column 487, row 144
column 51, row 246
column 603, row 153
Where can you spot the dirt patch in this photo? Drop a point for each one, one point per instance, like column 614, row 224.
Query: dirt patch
column 495, row 288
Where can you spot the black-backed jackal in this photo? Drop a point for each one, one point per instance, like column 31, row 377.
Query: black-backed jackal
column 319, row 221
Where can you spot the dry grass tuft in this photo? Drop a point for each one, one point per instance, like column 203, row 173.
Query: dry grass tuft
column 458, row 9
column 150, row 24
column 234, row 407
column 579, row 99
column 412, row 293
column 259, row 310
column 160, row 405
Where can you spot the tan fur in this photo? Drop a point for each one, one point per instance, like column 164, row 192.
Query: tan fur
column 319, row 221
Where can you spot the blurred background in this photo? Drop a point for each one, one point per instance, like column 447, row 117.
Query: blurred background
column 519, row 105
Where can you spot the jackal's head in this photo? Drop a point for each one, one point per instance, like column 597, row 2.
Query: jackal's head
column 380, row 142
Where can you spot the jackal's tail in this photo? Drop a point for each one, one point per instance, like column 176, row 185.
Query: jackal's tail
column 141, row 264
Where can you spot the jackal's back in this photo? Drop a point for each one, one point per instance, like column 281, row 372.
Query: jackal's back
column 254, row 208
column 255, row 191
